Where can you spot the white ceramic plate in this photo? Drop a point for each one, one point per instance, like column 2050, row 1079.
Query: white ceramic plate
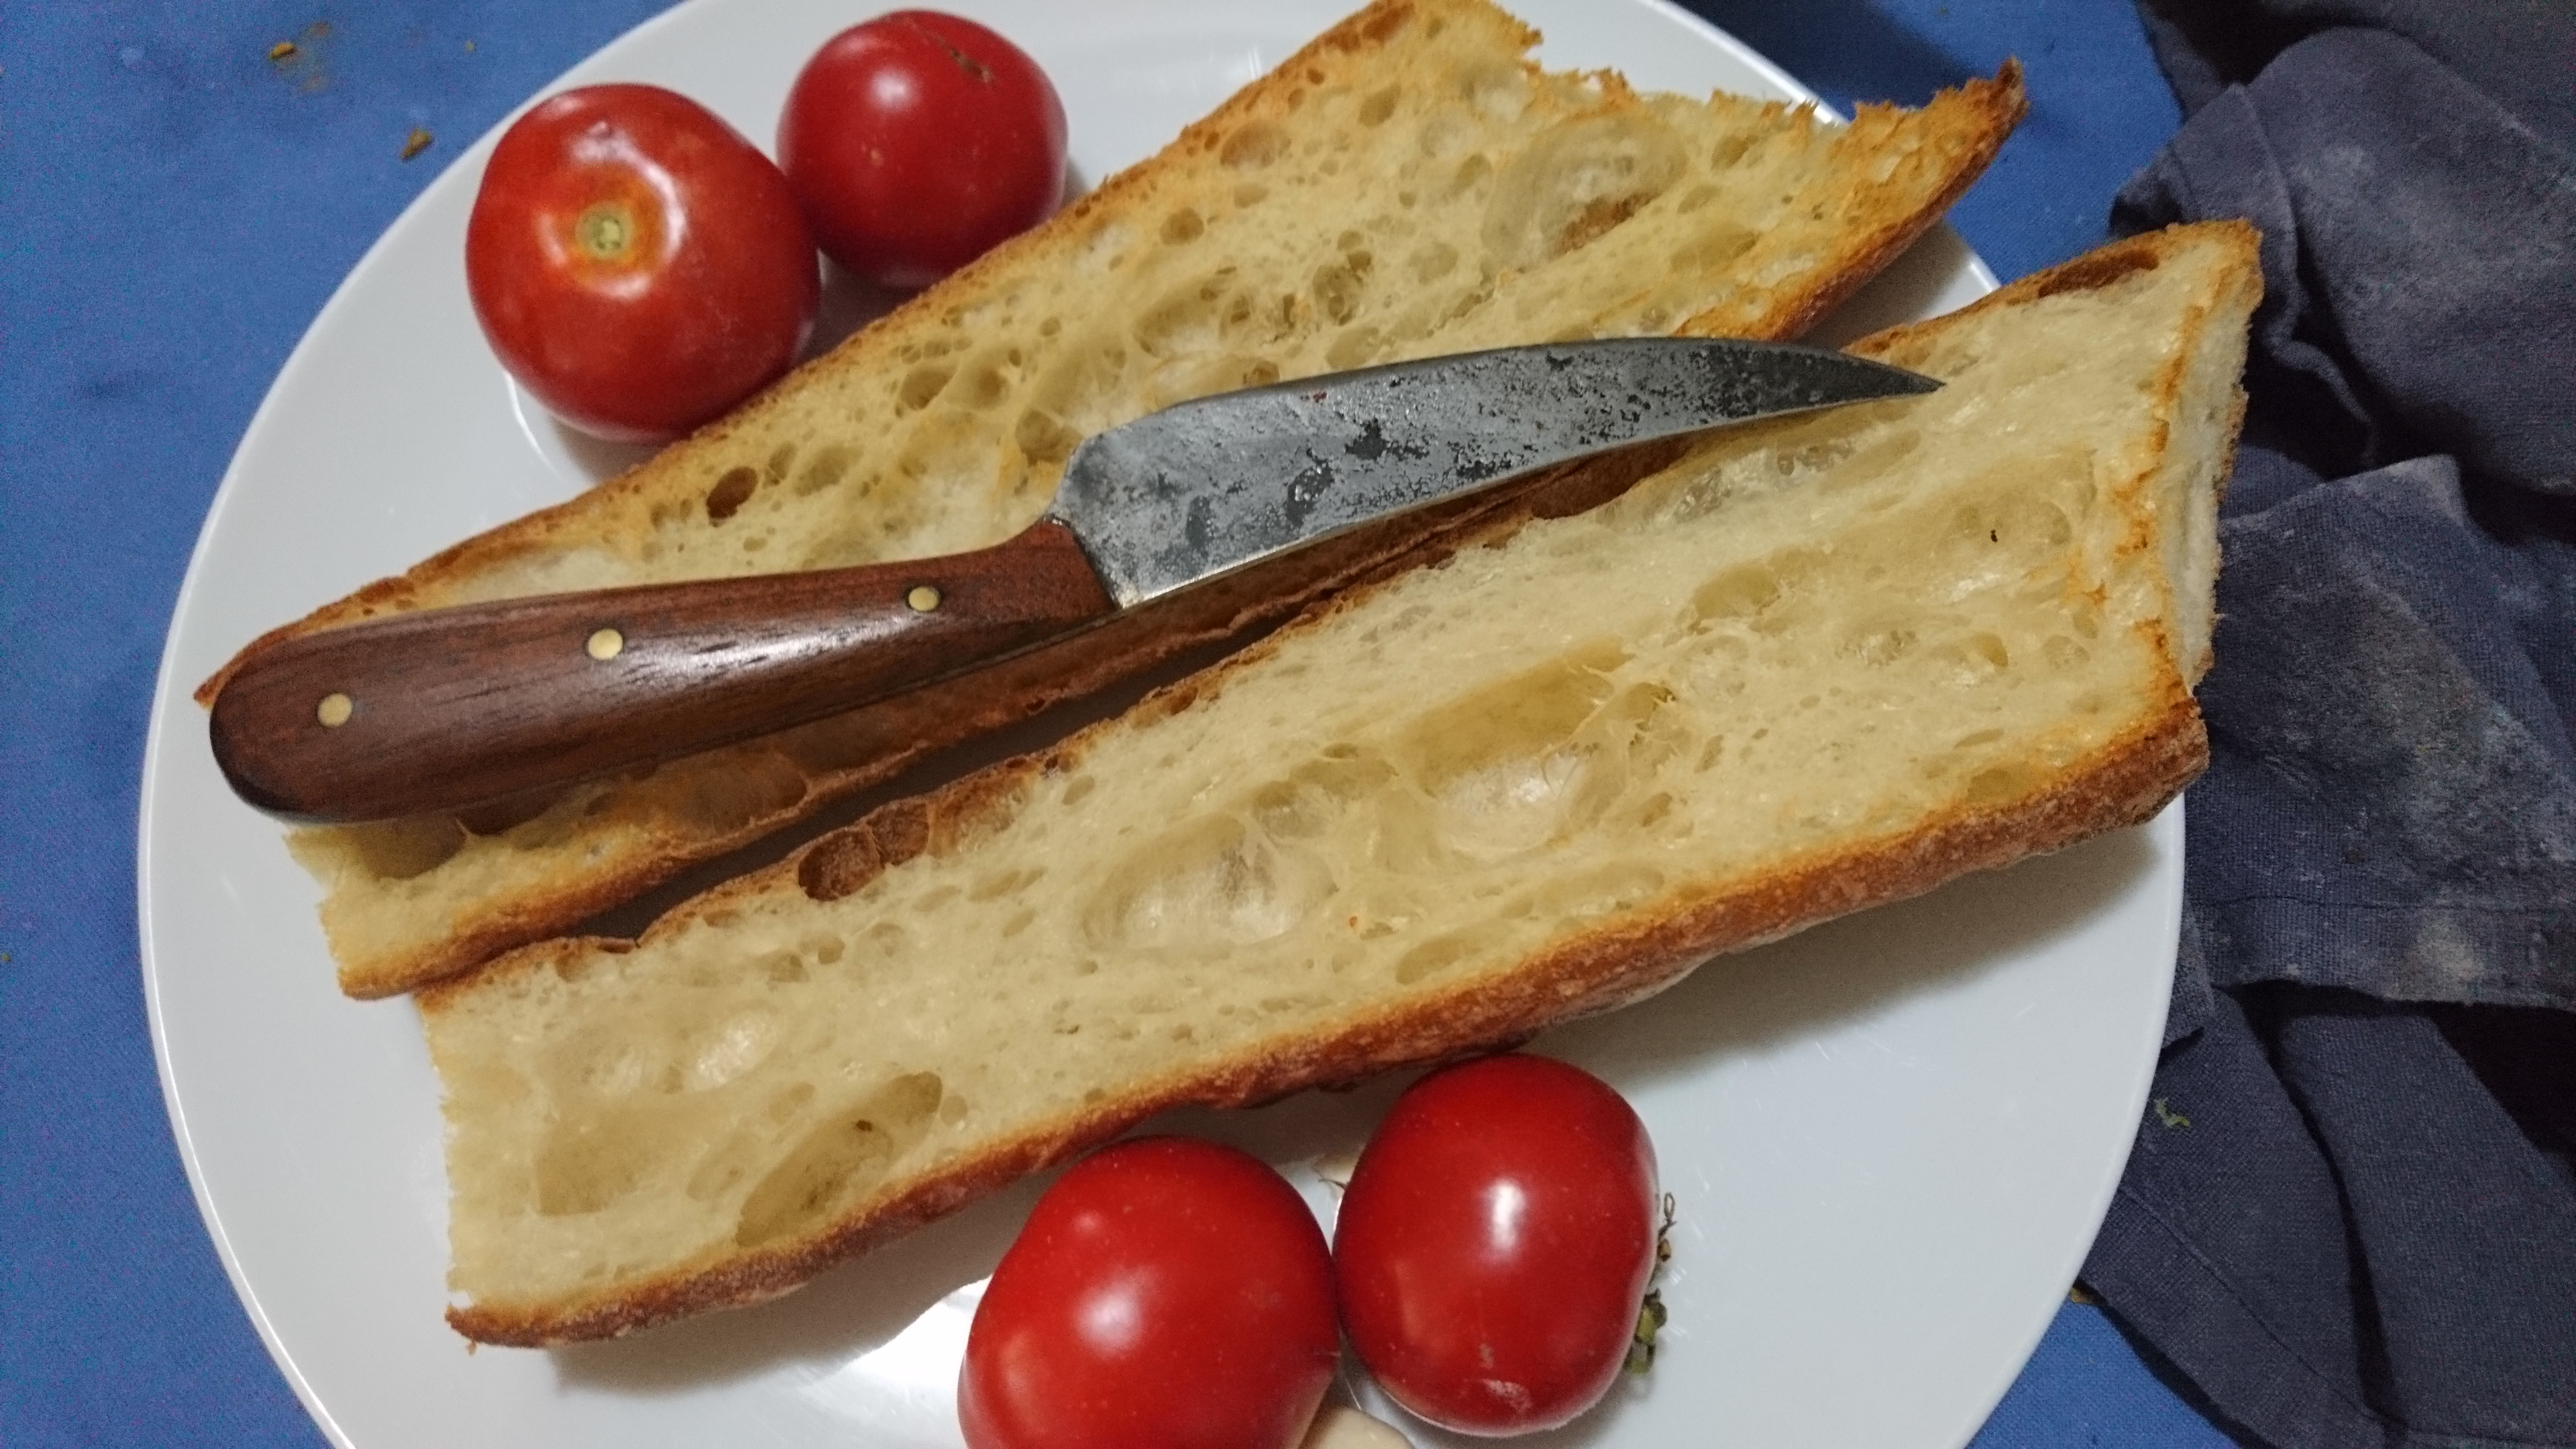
column 1891, row 1138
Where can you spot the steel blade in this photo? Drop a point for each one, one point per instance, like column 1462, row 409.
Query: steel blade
column 1222, row 481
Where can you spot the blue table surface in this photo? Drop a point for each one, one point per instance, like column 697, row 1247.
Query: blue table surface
column 174, row 210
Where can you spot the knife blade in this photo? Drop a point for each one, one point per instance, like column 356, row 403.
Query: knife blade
column 442, row 709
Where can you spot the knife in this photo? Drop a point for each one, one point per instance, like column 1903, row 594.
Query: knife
column 445, row 708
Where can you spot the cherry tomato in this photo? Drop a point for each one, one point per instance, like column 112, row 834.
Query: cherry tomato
column 1165, row 1293
column 916, row 141
column 1495, row 1243
column 636, row 263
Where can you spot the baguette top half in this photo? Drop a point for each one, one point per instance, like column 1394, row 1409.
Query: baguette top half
column 1408, row 184
column 1815, row 665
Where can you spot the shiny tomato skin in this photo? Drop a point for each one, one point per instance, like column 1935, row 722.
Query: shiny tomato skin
column 636, row 263
column 1166, row 1293
column 918, row 140
column 1495, row 1243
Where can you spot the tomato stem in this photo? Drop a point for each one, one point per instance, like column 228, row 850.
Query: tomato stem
column 605, row 231
column 1651, row 1314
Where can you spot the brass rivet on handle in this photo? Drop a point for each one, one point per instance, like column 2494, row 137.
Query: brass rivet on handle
column 605, row 644
column 923, row 598
column 334, row 710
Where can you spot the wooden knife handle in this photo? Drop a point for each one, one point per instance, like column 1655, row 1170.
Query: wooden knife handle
column 445, row 708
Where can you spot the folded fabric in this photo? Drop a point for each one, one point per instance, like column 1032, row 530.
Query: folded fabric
column 2351, row 1215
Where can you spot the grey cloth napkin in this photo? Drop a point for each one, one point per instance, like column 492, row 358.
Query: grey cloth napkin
column 2351, row 1215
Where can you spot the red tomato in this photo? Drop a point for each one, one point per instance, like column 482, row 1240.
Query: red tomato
column 1495, row 1243
column 916, row 141
column 1165, row 1293
column 636, row 263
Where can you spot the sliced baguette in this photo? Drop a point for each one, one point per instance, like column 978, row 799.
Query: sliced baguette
column 1814, row 665
column 1407, row 184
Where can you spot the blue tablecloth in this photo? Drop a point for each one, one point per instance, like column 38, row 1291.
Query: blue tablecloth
column 175, row 206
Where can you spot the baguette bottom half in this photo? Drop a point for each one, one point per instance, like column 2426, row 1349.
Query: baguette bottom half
column 1813, row 665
